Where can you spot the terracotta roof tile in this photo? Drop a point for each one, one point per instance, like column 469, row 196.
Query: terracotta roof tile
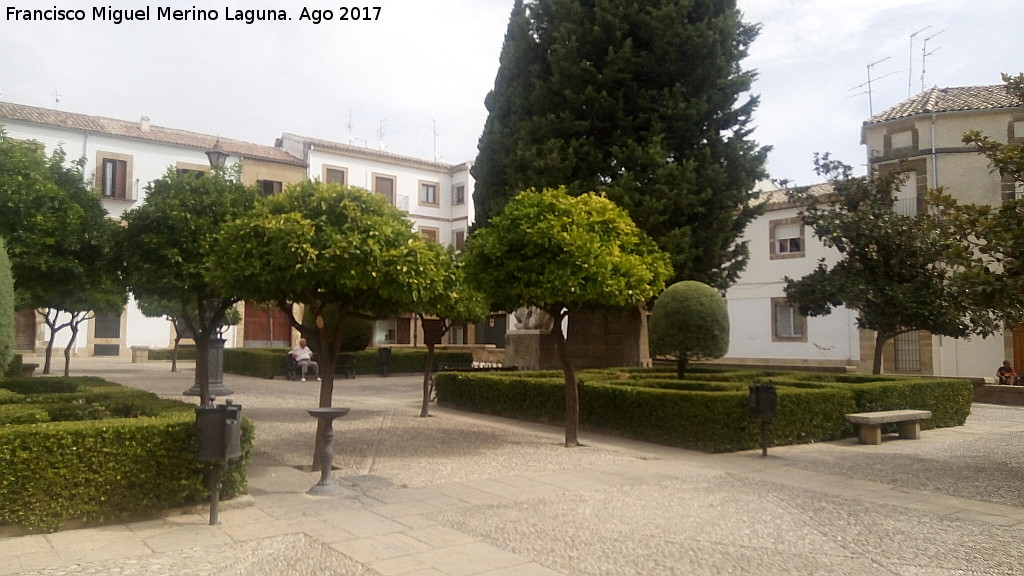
column 950, row 100
column 137, row 131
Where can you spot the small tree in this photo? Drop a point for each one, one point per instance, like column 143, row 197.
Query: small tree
column 457, row 303
column 168, row 245
column 6, row 310
column 892, row 267
column 690, row 320
column 342, row 252
column 562, row 253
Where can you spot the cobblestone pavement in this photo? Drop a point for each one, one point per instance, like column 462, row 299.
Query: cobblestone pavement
column 462, row 494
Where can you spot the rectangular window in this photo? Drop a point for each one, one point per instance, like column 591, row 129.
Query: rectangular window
column 787, row 238
column 113, row 175
column 107, row 326
column 428, row 193
column 334, row 175
column 431, row 234
column 907, row 356
column 788, row 325
column 906, row 196
column 115, row 178
column 385, row 186
column 458, row 239
column 269, row 187
column 458, row 194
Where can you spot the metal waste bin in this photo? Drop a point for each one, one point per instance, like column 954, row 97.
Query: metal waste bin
column 763, row 401
column 218, row 432
column 383, row 361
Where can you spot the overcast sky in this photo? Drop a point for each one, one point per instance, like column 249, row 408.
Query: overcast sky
column 414, row 80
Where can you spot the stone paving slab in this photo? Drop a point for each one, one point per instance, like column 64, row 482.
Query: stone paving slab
column 462, row 494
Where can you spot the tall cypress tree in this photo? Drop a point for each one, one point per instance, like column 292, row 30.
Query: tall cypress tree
column 637, row 100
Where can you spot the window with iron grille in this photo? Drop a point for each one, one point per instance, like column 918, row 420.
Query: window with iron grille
column 908, row 352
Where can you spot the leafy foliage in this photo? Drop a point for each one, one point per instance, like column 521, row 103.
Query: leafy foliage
column 690, row 320
column 60, row 240
column 641, row 102
column 6, row 309
column 340, row 251
column 168, row 245
column 989, row 257
column 891, row 267
column 562, row 253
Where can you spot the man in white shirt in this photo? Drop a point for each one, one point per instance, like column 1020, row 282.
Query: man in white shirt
column 303, row 356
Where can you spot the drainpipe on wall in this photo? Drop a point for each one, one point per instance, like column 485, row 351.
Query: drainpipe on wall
column 935, row 164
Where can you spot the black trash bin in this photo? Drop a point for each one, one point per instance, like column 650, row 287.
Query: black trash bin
column 218, row 432
column 383, row 361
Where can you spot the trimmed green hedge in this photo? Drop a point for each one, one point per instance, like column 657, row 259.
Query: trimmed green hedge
column 99, row 470
column 14, row 368
column 270, row 362
column 707, row 411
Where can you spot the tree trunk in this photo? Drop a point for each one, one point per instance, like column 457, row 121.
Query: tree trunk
column 174, row 352
column 880, row 339
column 681, row 366
column 428, row 379
column 49, row 353
column 572, row 396
column 67, row 349
column 330, row 348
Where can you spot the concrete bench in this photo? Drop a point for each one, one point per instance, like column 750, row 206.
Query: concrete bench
column 869, row 424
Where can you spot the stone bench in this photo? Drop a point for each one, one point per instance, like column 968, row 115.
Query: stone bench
column 869, row 424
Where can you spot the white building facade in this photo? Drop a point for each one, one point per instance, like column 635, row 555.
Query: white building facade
column 922, row 139
column 123, row 157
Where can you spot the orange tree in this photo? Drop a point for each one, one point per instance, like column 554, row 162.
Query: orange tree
column 562, row 253
column 342, row 252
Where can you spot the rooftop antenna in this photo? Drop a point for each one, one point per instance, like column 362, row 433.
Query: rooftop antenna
column 56, row 98
column 436, row 134
column 910, row 72
column 871, row 106
column 380, row 133
column 925, row 54
column 350, row 126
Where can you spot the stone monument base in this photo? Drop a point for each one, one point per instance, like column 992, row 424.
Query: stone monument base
column 531, row 350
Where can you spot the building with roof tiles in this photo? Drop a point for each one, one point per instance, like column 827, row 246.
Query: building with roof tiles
column 123, row 157
column 922, row 139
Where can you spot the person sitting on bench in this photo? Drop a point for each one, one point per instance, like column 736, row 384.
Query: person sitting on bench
column 1005, row 374
column 304, row 358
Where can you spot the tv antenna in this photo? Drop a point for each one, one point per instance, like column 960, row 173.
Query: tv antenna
column 925, row 54
column 56, row 98
column 436, row 134
column 910, row 72
column 380, row 133
column 871, row 107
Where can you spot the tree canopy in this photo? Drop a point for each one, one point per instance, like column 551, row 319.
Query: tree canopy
column 891, row 267
column 690, row 320
column 168, row 246
column 457, row 302
column 646, row 103
column 340, row 251
column 562, row 253
column 60, row 240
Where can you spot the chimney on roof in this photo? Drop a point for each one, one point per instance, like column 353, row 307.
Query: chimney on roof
column 144, row 124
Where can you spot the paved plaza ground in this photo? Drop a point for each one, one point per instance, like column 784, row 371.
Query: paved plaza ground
column 460, row 494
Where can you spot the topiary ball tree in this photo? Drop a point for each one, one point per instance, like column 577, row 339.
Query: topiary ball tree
column 690, row 320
